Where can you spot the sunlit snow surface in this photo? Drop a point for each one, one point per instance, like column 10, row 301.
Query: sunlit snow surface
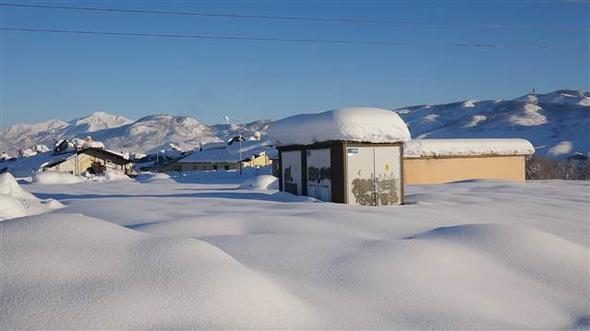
column 197, row 252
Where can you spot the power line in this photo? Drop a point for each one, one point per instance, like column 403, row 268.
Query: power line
column 272, row 39
column 300, row 18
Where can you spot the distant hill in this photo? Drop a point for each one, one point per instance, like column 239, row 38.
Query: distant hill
column 557, row 123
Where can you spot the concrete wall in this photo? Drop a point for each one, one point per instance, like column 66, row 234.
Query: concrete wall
column 445, row 170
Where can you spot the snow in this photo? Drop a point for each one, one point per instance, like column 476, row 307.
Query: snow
column 54, row 177
column 41, row 148
column 543, row 119
column 469, row 104
column 17, row 202
column 530, row 116
column 263, row 182
column 249, row 149
column 563, row 148
column 350, row 124
column 27, row 166
column 475, row 120
column 95, row 122
column 156, row 132
column 198, row 252
column 416, row 148
column 93, row 144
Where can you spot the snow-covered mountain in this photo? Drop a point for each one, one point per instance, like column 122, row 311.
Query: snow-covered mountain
column 154, row 132
column 46, row 133
column 95, row 122
column 228, row 131
column 557, row 123
column 26, row 135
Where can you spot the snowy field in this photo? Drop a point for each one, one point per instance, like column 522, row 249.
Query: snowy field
column 200, row 252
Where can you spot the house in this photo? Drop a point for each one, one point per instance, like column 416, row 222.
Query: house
column 437, row 161
column 91, row 160
column 221, row 156
column 350, row 155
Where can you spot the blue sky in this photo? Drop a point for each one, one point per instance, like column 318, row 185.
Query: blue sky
column 63, row 76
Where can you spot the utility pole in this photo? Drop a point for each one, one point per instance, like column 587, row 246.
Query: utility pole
column 228, row 120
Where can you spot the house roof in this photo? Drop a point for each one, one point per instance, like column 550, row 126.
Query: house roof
column 91, row 150
column 250, row 149
column 417, row 148
column 114, row 154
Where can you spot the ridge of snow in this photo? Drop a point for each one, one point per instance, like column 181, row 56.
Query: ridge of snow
column 98, row 121
column 416, row 148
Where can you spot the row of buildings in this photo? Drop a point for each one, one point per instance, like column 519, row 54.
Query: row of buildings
column 85, row 156
column 358, row 155
column 365, row 156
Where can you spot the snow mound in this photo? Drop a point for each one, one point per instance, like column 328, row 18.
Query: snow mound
column 530, row 116
column 475, row 120
column 116, row 278
column 430, row 118
column 469, row 104
column 54, row 177
column 12, row 207
column 350, row 124
column 487, row 270
column 466, row 147
column 517, row 247
column 564, row 147
column 264, row 182
column 10, row 187
column 17, row 202
column 149, row 177
column 110, row 175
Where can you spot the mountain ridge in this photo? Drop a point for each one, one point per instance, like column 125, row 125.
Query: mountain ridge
column 557, row 123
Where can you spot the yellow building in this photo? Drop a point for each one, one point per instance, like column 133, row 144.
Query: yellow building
column 437, row 161
column 228, row 157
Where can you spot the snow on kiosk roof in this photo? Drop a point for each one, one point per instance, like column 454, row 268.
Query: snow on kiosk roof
column 359, row 124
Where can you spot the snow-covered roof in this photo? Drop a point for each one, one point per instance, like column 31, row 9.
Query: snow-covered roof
column 361, row 124
column 416, row 148
column 26, row 166
column 250, row 149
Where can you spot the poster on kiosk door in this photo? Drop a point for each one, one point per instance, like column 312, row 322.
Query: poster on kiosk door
column 319, row 178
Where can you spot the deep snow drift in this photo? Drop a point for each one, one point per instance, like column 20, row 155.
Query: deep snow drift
column 17, row 202
column 196, row 251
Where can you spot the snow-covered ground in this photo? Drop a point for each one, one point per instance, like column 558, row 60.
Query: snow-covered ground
column 198, row 251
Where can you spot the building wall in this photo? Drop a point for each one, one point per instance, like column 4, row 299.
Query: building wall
column 194, row 166
column 80, row 163
column 260, row 161
column 445, row 170
column 294, row 168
